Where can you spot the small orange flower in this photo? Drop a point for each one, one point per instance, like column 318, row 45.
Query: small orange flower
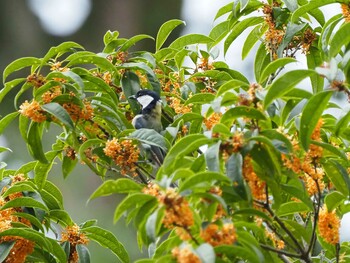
column 328, row 226
column 36, row 79
column 345, row 8
column 215, row 236
column 179, row 108
column 78, row 113
column 74, row 236
column 213, row 119
column 278, row 243
column 48, row 96
column 185, row 255
column 256, row 185
column 33, row 111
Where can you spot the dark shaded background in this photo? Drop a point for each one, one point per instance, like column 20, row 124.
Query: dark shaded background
column 21, row 35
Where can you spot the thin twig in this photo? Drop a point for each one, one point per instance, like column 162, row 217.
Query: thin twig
column 281, row 252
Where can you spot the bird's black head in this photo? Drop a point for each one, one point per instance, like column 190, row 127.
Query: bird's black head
column 147, row 98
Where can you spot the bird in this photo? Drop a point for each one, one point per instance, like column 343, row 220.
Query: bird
column 150, row 118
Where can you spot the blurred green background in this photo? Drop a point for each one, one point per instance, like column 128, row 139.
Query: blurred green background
column 30, row 28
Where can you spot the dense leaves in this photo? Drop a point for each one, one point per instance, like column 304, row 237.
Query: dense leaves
column 244, row 170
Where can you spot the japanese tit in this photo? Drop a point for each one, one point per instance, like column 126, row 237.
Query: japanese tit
column 150, row 118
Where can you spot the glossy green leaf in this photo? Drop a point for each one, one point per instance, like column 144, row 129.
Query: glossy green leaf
column 83, row 253
column 61, row 49
column 262, row 59
column 5, row 248
column 333, row 200
column 165, row 30
column 218, row 32
column 61, row 217
column 341, row 125
column 5, row 121
column 251, row 40
column 340, row 38
column 24, row 201
column 8, row 86
column 239, row 28
column 338, row 176
column 30, row 234
column 300, row 193
column 101, row 62
column 206, row 253
column 120, row 186
column 229, row 85
column 35, row 143
column 331, row 150
column 238, row 252
column 183, row 147
column 290, row 208
column 190, row 39
column 242, row 111
column 200, row 98
column 19, row 64
column 20, row 187
column 32, row 219
column 285, row 83
column 202, row 177
column 234, row 166
column 107, row 240
column 291, row 31
column 274, row 66
column 60, row 113
column 133, row 40
column 56, row 250
column 311, row 114
column 151, row 137
column 314, row 60
column 68, row 164
column 212, row 157
column 42, row 170
column 86, row 145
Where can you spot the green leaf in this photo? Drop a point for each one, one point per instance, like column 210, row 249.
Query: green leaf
column 234, row 166
column 262, row 59
column 333, row 200
column 9, row 86
column 108, row 240
column 290, row 208
column 151, row 137
column 202, row 177
column 133, row 40
column 68, row 165
column 165, row 30
column 83, row 253
column 4, row 149
column 314, row 60
column 200, row 98
column 32, row 219
column 28, row 233
column 212, row 157
column 183, row 147
column 27, row 186
column 242, row 111
column 229, row 85
column 311, row 114
column 218, row 32
column 5, row 121
column 119, row 186
column 251, row 40
column 24, row 201
column 101, row 62
column 299, row 193
column 132, row 200
column 274, row 66
column 206, row 253
column 61, row 216
column 57, row 250
column 190, row 39
column 285, row 83
column 330, row 149
column 292, row 5
column 35, row 143
column 41, row 170
column 54, row 191
column 19, row 64
column 239, row 27
column 60, row 113
column 91, row 143
column 340, row 38
column 110, row 36
column 291, row 30
column 60, row 50
column 5, row 248
column 340, row 127
column 238, row 251
column 338, row 176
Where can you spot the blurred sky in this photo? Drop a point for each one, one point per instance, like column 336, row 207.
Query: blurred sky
column 63, row 18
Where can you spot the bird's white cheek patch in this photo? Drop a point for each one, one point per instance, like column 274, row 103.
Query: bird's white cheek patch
column 145, row 100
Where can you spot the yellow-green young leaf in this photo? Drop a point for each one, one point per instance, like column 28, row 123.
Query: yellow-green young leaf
column 190, row 39
column 8, row 86
column 238, row 252
column 165, row 30
column 218, row 32
column 107, row 240
column 5, row 121
column 133, row 40
column 224, row 10
column 109, row 36
column 24, row 201
column 285, row 83
column 274, row 66
column 5, row 248
column 83, row 253
column 183, row 147
column 313, row 4
column 311, row 114
column 241, row 111
column 290, row 208
column 61, row 49
column 200, row 98
column 60, row 113
column 340, row 38
column 338, row 176
column 239, row 27
column 61, row 217
column 119, row 186
column 19, row 64
column 4, row 149
column 334, row 199
column 203, row 177
column 34, row 144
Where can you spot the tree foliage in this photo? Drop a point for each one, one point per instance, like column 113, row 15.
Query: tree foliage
column 254, row 170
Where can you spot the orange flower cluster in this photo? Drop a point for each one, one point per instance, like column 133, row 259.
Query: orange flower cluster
column 220, row 211
column 33, row 111
column 73, row 235
column 328, row 226
column 215, row 236
column 185, row 255
column 48, row 96
column 78, row 113
column 124, row 153
column 36, row 80
column 204, row 64
column 345, row 8
column 178, row 211
column 142, row 78
column 213, row 119
column 308, row 37
column 179, row 108
column 307, row 166
column 256, row 185
column 57, row 67
column 121, row 57
column 278, row 243
column 233, row 145
column 273, row 36
column 107, row 77
column 22, row 247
